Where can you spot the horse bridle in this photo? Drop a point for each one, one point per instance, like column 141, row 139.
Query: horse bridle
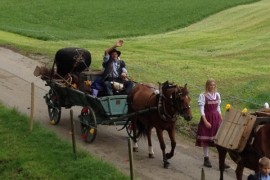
column 163, row 112
column 177, row 97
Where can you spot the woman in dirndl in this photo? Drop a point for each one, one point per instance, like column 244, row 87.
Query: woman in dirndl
column 209, row 107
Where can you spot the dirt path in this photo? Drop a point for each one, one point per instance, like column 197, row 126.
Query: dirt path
column 16, row 75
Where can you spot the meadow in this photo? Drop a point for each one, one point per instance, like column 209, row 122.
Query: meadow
column 231, row 46
column 162, row 41
column 103, row 19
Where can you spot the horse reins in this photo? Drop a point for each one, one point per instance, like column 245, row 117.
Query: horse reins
column 162, row 110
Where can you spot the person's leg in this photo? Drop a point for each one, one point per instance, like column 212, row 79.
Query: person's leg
column 108, row 88
column 206, row 162
column 128, row 86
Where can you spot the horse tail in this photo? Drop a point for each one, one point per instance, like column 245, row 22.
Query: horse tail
column 142, row 129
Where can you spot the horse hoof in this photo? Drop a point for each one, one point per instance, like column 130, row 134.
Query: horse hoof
column 151, row 155
column 168, row 156
column 166, row 165
column 135, row 149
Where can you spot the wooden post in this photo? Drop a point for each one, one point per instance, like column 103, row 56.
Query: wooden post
column 32, row 106
column 202, row 174
column 73, row 134
column 130, row 158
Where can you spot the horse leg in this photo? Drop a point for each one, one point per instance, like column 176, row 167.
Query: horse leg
column 163, row 147
column 239, row 172
column 221, row 156
column 171, row 133
column 134, row 132
column 150, row 147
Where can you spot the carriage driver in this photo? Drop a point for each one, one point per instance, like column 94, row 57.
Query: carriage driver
column 115, row 69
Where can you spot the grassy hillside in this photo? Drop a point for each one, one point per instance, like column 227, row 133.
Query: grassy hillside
column 231, row 46
column 67, row 19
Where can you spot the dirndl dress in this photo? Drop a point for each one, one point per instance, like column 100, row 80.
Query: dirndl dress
column 205, row 136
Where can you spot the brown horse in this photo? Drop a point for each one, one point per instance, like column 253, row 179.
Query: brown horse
column 168, row 102
column 257, row 147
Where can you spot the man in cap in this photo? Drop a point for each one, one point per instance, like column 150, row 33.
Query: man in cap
column 115, row 69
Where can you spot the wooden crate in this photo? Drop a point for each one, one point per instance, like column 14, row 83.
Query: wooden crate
column 235, row 130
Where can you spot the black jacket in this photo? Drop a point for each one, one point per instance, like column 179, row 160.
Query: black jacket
column 109, row 68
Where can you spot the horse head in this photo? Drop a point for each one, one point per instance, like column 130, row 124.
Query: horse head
column 179, row 99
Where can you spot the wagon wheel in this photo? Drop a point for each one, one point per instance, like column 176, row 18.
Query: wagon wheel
column 88, row 124
column 54, row 107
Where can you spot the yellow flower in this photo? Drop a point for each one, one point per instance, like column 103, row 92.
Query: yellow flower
column 228, row 107
column 244, row 111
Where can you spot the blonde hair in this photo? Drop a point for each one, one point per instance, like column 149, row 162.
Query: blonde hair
column 208, row 83
column 264, row 162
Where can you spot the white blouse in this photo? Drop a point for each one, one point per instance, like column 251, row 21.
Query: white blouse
column 201, row 101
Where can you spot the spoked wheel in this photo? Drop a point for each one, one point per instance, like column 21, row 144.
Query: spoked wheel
column 88, row 124
column 54, row 107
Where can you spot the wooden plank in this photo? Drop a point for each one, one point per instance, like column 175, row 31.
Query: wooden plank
column 234, row 122
column 248, row 129
column 222, row 134
column 237, row 131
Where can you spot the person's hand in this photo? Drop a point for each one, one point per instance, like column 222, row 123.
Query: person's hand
column 124, row 76
column 207, row 124
column 119, row 43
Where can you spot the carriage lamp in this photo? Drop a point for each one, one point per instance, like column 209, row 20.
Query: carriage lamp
column 228, row 107
column 244, row 111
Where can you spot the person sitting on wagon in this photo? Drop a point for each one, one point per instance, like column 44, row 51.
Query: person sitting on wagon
column 115, row 69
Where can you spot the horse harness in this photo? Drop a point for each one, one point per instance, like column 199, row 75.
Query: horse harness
column 162, row 99
column 162, row 110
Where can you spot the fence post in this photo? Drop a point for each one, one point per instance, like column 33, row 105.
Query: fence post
column 32, row 106
column 202, row 174
column 73, row 134
column 130, row 158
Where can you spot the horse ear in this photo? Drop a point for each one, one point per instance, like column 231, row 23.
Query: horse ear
column 186, row 86
column 166, row 83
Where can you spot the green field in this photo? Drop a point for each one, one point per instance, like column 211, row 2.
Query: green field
column 103, row 19
column 232, row 46
column 41, row 155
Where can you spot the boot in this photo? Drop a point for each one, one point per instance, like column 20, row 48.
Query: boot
column 207, row 162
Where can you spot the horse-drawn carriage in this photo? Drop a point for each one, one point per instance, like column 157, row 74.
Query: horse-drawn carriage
column 70, row 85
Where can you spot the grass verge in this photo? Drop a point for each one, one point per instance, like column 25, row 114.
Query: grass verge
column 41, row 155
